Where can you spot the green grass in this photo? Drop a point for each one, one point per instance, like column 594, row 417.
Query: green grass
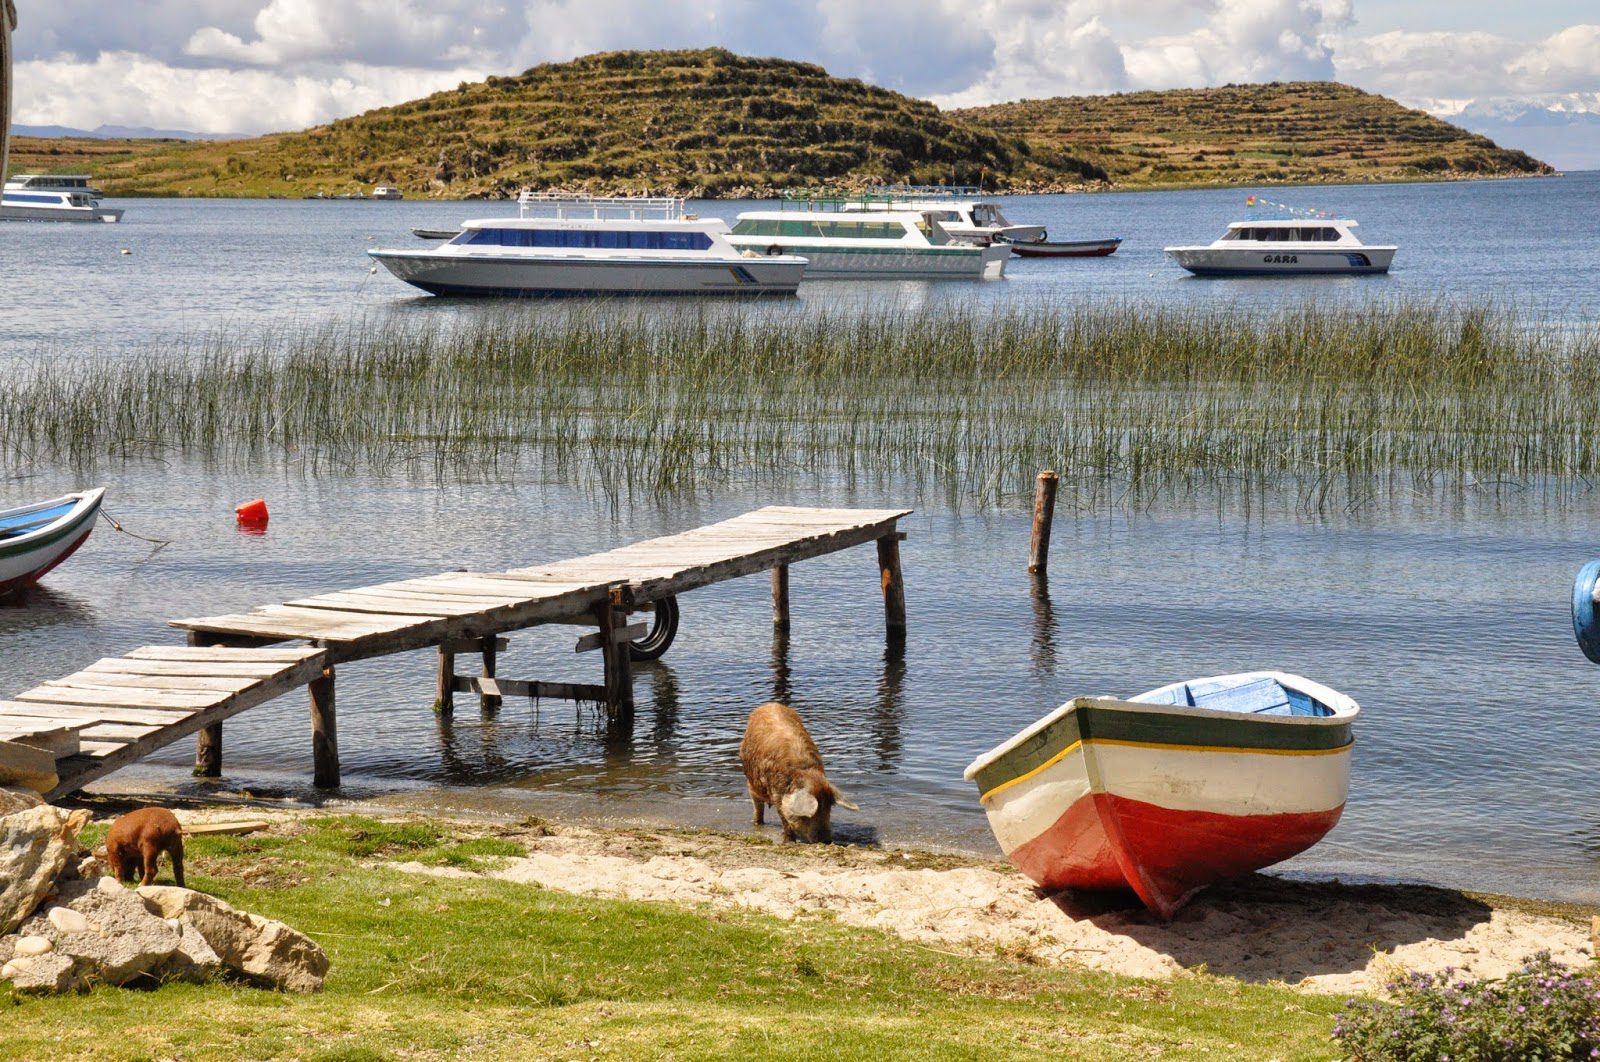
column 446, row 968
column 1336, row 403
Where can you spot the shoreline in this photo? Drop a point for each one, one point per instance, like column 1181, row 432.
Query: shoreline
column 1320, row 936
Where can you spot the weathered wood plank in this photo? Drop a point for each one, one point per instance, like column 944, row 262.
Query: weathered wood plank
column 113, row 680
column 117, row 731
column 590, row 642
column 82, row 715
column 191, row 668
column 105, row 757
column 219, row 654
column 503, row 687
column 122, row 698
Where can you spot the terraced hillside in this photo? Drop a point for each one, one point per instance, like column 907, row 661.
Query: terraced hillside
column 691, row 122
column 1252, row 134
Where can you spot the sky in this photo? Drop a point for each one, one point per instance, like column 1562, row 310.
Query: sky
column 251, row 66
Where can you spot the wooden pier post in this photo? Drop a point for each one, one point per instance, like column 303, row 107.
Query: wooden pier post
column 780, row 598
column 489, row 702
column 208, row 752
column 444, row 689
column 894, row 587
column 324, row 733
column 1044, row 512
column 618, row 664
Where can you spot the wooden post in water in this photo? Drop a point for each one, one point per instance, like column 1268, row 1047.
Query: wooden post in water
column 444, row 689
column 489, row 702
column 894, row 587
column 324, row 733
column 1044, row 512
column 618, row 664
column 208, row 752
column 780, row 598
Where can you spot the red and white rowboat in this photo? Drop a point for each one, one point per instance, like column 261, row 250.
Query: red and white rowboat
column 1173, row 790
column 36, row 538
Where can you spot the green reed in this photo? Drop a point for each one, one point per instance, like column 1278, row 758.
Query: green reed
column 634, row 399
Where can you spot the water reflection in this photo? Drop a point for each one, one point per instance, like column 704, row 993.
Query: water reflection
column 40, row 606
column 782, row 673
column 1042, row 647
column 888, row 722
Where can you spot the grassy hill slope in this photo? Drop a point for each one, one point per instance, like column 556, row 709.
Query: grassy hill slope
column 698, row 122
column 1252, row 134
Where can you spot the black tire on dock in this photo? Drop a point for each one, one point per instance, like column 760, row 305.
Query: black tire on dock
column 662, row 631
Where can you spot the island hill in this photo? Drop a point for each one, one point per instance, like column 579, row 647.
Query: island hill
column 713, row 124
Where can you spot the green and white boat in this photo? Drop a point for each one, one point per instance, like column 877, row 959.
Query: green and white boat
column 845, row 244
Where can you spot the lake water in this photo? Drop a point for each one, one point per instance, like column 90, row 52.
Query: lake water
column 1443, row 613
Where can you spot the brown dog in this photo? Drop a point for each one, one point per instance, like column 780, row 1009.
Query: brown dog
column 136, row 841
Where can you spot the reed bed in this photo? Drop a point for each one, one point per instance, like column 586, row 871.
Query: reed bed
column 966, row 403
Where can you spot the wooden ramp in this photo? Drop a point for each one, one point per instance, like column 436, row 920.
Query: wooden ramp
column 122, row 709
column 118, row 710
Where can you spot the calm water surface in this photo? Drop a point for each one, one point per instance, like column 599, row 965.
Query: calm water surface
column 1445, row 615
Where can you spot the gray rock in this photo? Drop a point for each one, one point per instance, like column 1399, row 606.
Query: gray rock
column 52, row 973
column 35, row 844
column 195, row 960
column 112, row 935
column 265, row 951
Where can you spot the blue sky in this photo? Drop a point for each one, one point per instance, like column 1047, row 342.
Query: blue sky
column 255, row 65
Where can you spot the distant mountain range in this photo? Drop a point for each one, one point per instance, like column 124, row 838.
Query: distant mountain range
column 1562, row 129
column 121, row 132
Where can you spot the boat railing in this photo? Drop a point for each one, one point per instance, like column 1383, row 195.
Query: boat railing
column 568, row 206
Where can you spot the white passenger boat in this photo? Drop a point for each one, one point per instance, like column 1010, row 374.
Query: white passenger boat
column 53, row 197
column 1285, row 248
column 592, row 245
column 961, row 212
column 865, row 244
column 387, row 191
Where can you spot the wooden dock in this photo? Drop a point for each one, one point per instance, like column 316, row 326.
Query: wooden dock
column 119, row 710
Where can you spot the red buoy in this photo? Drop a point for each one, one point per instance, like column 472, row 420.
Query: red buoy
column 252, row 515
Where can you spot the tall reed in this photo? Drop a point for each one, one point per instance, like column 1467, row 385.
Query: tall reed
column 633, row 399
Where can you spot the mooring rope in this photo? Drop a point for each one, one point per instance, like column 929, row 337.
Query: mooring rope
column 142, row 538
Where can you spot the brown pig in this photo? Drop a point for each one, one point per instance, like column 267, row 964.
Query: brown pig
column 136, row 841
column 783, row 768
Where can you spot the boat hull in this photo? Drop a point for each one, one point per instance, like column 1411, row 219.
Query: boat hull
column 1160, row 799
column 27, row 558
column 1067, row 249
column 530, row 277
column 1287, row 261
column 903, row 263
column 23, row 212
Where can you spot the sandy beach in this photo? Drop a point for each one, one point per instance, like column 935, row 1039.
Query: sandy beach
column 1321, row 937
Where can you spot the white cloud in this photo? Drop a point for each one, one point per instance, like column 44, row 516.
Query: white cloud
column 121, row 88
column 253, row 65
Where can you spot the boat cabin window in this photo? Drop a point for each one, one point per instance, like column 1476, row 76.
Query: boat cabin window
column 934, row 231
column 843, row 228
column 586, row 238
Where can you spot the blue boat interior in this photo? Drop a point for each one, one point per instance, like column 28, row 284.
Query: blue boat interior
column 1249, row 694
column 22, row 523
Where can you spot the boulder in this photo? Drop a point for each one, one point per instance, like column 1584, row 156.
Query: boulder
column 13, row 799
column 35, row 845
column 50, row 973
column 265, row 951
column 109, row 932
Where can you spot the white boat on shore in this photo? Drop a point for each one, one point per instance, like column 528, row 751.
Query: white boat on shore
column 593, row 245
column 1291, row 247
column 35, row 538
column 52, row 197
column 841, row 243
column 387, row 191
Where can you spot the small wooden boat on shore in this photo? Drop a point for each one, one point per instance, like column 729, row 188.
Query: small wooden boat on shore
column 1172, row 790
column 35, row 538
column 1064, row 248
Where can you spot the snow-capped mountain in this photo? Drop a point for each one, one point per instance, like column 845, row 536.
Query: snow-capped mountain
column 1564, row 130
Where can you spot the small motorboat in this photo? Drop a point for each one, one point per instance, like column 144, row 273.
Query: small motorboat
column 1064, row 248
column 1285, row 248
column 36, row 538
column 1174, row 789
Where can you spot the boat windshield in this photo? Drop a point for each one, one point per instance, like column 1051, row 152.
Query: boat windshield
column 1248, row 694
column 930, row 227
